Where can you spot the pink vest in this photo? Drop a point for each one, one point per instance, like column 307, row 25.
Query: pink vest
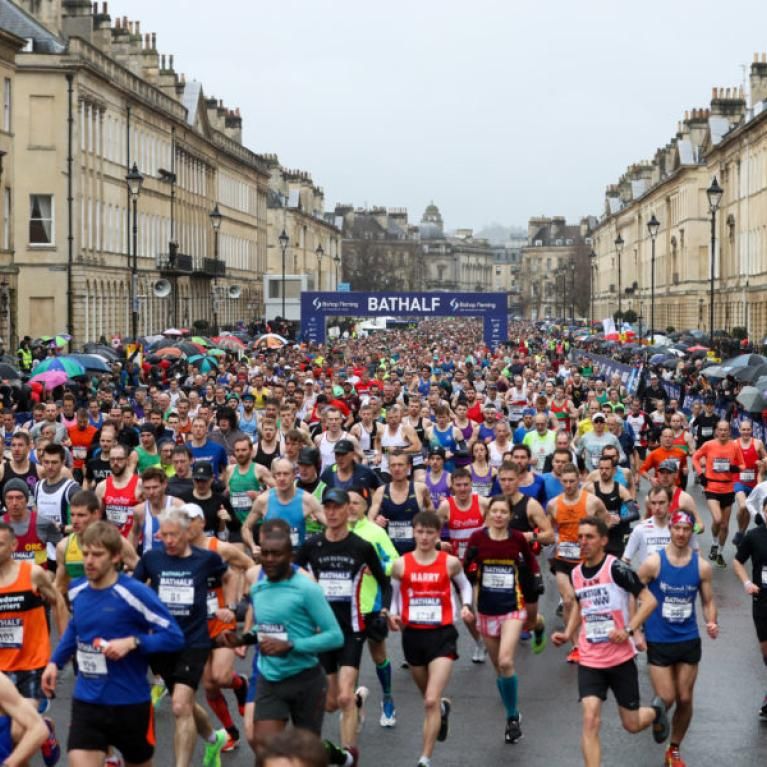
column 604, row 608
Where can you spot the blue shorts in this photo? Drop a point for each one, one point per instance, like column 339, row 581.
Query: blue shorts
column 741, row 488
column 253, row 680
column 6, row 741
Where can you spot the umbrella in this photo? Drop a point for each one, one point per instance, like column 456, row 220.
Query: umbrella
column 697, row 348
column 101, row 350
column 217, row 352
column 744, row 359
column 715, row 371
column 656, row 359
column 230, row 342
column 172, row 332
column 271, row 341
column 169, row 351
column 204, row 362
column 201, row 340
column 749, row 373
column 9, row 372
column 190, row 349
column 751, row 399
column 91, row 362
column 62, row 339
column 51, row 378
column 65, row 364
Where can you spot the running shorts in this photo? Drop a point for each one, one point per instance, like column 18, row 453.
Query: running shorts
column 622, row 679
column 725, row 499
column 183, row 667
column 490, row 625
column 349, row 654
column 670, row 653
column 299, row 699
column 422, row 646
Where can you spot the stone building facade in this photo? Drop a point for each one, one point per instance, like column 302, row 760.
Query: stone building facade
column 727, row 139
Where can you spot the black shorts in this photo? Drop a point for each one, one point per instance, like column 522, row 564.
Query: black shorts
column 623, row 680
column 670, row 653
column 299, row 699
column 129, row 728
column 759, row 613
column 725, row 499
column 529, row 586
column 28, row 683
column 183, row 667
column 560, row 566
column 422, row 646
column 349, row 654
column 641, row 451
column 376, row 627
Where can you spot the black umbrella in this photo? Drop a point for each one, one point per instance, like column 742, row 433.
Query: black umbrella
column 104, row 351
column 749, row 373
column 9, row 372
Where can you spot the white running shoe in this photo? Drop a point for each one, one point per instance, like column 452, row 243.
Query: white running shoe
column 480, row 653
column 360, row 696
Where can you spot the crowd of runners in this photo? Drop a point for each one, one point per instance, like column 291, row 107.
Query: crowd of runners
column 306, row 507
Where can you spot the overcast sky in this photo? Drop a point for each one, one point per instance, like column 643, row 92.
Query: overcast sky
column 497, row 110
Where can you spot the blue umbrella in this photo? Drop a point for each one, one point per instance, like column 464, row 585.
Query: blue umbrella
column 656, row 359
column 204, row 362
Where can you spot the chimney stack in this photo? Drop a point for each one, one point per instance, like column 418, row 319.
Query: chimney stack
column 758, row 79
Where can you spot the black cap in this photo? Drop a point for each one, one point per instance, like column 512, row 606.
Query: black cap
column 344, row 446
column 202, row 470
column 437, row 450
column 147, row 428
column 309, row 456
column 335, row 495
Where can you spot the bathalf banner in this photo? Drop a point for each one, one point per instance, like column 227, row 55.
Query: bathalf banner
column 606, row 366
column 317, row 306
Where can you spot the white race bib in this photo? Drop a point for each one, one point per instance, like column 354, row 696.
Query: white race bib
column 336, row 585
column 722, row 465
column 271, row 631
column 498, row 578
column 172, row 595
column 706, row 431
column 425, row 610
column 240, row 501
column 117, row 515
column 569, row 550
column 400, row 531
column 748, row 475
column 294, row 538
column 676, row 612
column 764, row 577
column 212, row 602
column 79, row 453
column 91, row 662
column 598, row 628
column 11, row 633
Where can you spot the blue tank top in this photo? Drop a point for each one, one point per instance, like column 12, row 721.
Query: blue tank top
column 447, row 440
column 676, row 589
column 400, row 516
column 486, row 434
column 291, row 512
column 536, row 489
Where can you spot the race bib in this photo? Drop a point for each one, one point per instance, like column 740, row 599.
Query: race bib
column 90, row 661
column 676, row 611
column 117, row 515
column 271, row 631
column 79, row 453
column 11, row 633
column 175, row 594
column 212, row 602
column 240, row 501
column 295, row 538
column 598, row 628
column 569, row 550
column 706, row 431
column 425, row 610
column 368, row 456
column 722, row 465
column 764, row 577
column 336, row 585
column 400, row 531
column 747, row 475
column 498, row 578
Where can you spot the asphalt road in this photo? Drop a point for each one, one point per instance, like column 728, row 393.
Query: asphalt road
column 725, row 729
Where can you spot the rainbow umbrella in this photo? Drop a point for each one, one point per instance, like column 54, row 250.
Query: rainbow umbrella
column 64, row 364
column 62, row 339
column 204, row 362
column 51, row 378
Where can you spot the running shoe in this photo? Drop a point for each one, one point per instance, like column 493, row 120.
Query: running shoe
column 50, row 750
column 241, row 693
column 525, row 636
column 713, row 553
column 232, row 740
column 159, row 691
column 212, row 755
column 737, row 539
column 336, row 755
column 719, row 561
column 43, row 705
column 114, row 760
column 573, row 656
column 539, row 638
column 673, row 759
column 660, row 728
column 480, row 653
column 513, row 730
column 763, row 709
column 360, row 696
column 423, row 763
column 560, row 611
column 404, row 664
column 355, row 755
column 444, row 725
column 388, row 713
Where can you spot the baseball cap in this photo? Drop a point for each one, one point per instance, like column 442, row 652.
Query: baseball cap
column 192, row 510
column 309, row 456
column 344, row 446
column 668, row 465
column 335, row 495
column 437, row 450
column 202, row 470
column 528, row 411
column 247, row 395
column 598, row 417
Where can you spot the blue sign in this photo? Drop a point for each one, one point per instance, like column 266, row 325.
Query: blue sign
column 316, row 306
column 344, row 287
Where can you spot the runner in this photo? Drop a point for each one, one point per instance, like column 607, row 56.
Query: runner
column 110, row 702
column 145, row 531
column 121, row 492
column 675, row 576
column 666, row 474
column 754, row 456
column 482, row 473
column 600, row 619
column 22, row 729
column 19, row 466
column 423, row 581
column 437, row 479
column 494, row 558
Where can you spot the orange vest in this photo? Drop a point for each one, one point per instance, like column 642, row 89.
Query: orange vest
column 568, row 519
column 24, row 640
column 216, row 602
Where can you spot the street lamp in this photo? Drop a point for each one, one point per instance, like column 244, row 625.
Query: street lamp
column 134, row 179
column 337, row 262
column 572, row 292
column 593, row 265
column 714, row 194
column 619, row 251
column 215, row 221
column 283, row 240
column 652, row 227
column 320, row 253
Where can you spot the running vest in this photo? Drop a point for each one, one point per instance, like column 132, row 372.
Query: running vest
column 567, row 521
column 604, row 607
column 519, row 519
column 239, row 485
column 367, row 442
column 482, row 484
column 420, row 432
column 328, row 449
column 119, row 502
column 215, row 601
column 24, row 639
column 613, row 503
column 676, row 589
column 400, row 516
column 150, row 535
column 747, row 477
column 291, row 512
column 427, row 593
column 29, row 477
column 674, row 501
column 389, row 443
column 29, row 548
column 438, row 490
column 680, row 443
column 496, row 454
column 73, row 558
column 52, row 505
column 466, row 431
column 461, row 523
column 264, row 458
column 447, row 440
column 562, row 414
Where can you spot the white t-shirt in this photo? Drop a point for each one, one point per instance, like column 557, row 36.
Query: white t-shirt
column 647, row 538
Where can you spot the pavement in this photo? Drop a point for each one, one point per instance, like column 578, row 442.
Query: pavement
column 725, row 729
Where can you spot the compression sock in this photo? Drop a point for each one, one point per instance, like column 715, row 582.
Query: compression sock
column 383, row 672
column 507, row 687
column 218, row 706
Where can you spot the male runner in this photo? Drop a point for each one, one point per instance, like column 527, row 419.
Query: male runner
column 145, row 531
column 245, row 478
column 121, row 492
column 22, row 729
column 754, row 456
column 19, row 466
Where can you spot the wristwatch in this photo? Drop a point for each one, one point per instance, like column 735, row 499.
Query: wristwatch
column 630, row 631
column 137, row 641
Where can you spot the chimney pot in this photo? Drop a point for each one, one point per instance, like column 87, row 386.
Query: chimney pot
column 154, row 41
column 117, row 23
column 170, row 59
column 125, row 22
column 713, row 93
column 756, row 58
column 138, row 28
column 105, row 10
column 764, row 57
column 162, row 61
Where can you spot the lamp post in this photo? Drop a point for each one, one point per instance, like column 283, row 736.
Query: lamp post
column 572, row 292
column 652, row 227
column 320, row 253
column 337, row 262
column 284, row 240
column 619, row 251
column 714, row 194
column 593, row 268
column 134, row 179
column 215, row 221
column 564, row 294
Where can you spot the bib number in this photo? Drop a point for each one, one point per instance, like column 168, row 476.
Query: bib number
column 176, row 595
column 569, row 550
column 336, row 586
column 706, row 431
column 400, row 531
column 91, row 662
column 722, row 465
column 749, row 475
column 676, row 612
column 117, row 515
column 295, row 540
column 11, row 633
column 598, row 628
column 212, row 602
column 241, row 501
column 79, row 453
column 271, row 631
column 764, row 577
column 498, row 578
column 425, row 610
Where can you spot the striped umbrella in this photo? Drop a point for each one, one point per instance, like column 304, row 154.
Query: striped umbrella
column 204, row 362
column 67, row 365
